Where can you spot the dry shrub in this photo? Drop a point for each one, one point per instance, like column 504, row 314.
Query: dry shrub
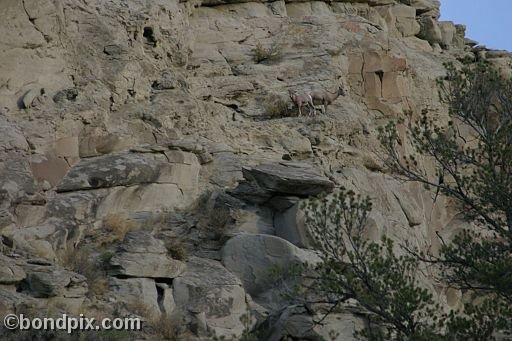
column 140, row 308
column 81, row 261
column 217, row 221
column 166, row 328
column 176, row 249
column 117, row 227
column 276, row 107
column 271, row 53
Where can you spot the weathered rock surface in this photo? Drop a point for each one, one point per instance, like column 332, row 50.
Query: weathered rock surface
column 138, row 294
column 50, row 281
column 296, row 322
column 253, row 256
column 138, row 110
column 10, row 273
column 141, row 255
column 281, row 179
column 111, row 171
column 208, row 288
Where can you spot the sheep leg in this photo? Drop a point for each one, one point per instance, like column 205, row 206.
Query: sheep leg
column 312, row 111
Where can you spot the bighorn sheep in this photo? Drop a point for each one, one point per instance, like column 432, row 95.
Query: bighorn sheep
column 301, row 99
column 325, row 98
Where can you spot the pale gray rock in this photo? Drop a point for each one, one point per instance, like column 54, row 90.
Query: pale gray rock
column 264, row 181
column 448, row 33
column 11, row 301
column 252, row 257
column 139, row 295
column 430, row 30
column 110, row 171
column 297, row 322
column 50, row 281
column 10, row 273
column 141, row 255
column 11, row 138
column 208, row 288
column 289, row 225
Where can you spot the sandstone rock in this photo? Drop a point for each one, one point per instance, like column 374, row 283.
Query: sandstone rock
column 430, row 30
column 207, row 287
column 79, row 205
column 141, row 255
column 30, row 215
column 110, row 171
column 139, row 295
column 65, row 95
column 51, row 169
column 460, row 34
column 11, row 138
column 32, row 97
column 448, row 33
column 44, row 239
column 293, row 322
column 67, row 147
column 343, row 325
column 10, row 273
column 405, row 20
column 142, row 198
column 169, row 183
column 95, row 143
column 289, row 225
column 49, row 281
column 15, row 179
column 283, row 178
column 176, row 84
column 255, row 221
column 11, row 301
column 251, row 257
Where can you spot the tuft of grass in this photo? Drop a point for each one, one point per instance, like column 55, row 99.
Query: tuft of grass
column 117, row 227
column 271, row 53
column 81, row 261
column 176, row 249
column 165, row 328
column 218, row 220
column 276, row 107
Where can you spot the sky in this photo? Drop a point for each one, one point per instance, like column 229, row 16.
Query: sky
column 487, row 21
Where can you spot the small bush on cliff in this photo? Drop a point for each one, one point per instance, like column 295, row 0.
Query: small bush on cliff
column 81, row 260
column 276, row 107
column 270, row 53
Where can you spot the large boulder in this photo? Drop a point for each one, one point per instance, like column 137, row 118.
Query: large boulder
column 448, row 33
column 110, row 171
column 10, row 273
column 289, row 225
column 138, row 295
column 49, row 281
column 430, row 30
column 265, row 181
column 11, row 301
column 207, row 289
column 141, row 255
column 406, row 22
column 252, row 257
column 298, row 323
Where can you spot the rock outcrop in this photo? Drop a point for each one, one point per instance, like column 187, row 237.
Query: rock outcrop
column 121, row 120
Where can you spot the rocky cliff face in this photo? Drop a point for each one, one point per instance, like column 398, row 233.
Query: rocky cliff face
column 150, row 155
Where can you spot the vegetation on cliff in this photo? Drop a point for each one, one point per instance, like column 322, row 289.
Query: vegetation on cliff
column 472, row 157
